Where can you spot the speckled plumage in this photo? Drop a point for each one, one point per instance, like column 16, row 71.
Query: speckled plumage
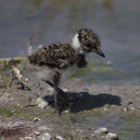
column 55, row 55
column 90, row 41
column 63, row 55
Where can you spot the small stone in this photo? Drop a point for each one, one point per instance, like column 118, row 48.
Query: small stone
column 43, row 128
column 101, row 130
column 111, row 136
column 13, row 111
column 58, row 137
column 36, row 133
column 17, row 124
column 92, row 135
column 65, row 89
column 45, row 136
column 132, row 108
column 66, row 111
column 50, row 90
column 41, row 103
column 26, row 79
column 28, row 138
column 9, row 124
column 36, row 119
column 105, row 109
column 125, row 109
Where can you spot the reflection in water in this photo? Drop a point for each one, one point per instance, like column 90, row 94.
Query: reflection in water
column 51, row 21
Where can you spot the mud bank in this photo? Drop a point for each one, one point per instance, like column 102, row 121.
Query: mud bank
column 116, row 107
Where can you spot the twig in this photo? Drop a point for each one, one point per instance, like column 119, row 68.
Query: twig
column 17, row 75
column 20, row 77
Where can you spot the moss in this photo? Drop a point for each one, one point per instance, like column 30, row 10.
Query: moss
column 26, row 113
column 68, row 135
column 78, row 136
column 97, row 113
column 20, row 112
column 5, row 111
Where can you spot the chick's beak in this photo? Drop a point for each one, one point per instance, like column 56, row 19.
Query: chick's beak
column 99, row 52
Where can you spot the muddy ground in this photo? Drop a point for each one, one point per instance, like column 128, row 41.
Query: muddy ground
column 116, row 107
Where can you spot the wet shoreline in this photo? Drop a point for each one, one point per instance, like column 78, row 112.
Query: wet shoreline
column 115, row 107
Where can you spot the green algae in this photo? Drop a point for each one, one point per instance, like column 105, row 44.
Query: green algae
column 23, row 112
column 6, row 111
column 71, row 118
column 7, row 63
column 96, row 67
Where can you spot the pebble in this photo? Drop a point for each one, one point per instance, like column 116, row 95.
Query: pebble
column 26, row 79
column 50, row 89
column 36, row 119
column 66, row 111
column 14, row 111
column 65, row 89
column 43, row 128
column 58, row 137
column 102, row 133
column 105, row 109
column 36, row 133
column 101, row 130
column 41, row 103
column 9, row 124
column 111, row 136
column 28, row 138
column 125, row 109
column 45, row 136
column 17, row 124
column 132, row 108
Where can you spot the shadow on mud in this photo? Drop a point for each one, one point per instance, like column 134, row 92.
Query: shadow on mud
column 84, row 101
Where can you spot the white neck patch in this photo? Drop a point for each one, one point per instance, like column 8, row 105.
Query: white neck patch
column 76, row 42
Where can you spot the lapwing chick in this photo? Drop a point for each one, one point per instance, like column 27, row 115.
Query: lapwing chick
column 57, row 61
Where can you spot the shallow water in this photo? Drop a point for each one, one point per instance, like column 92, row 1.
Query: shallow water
column 117, row 23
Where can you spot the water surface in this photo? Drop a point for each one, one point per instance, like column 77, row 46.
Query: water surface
column 52, row 21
